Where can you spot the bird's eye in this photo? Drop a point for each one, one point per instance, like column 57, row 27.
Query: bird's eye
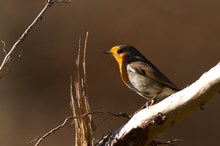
column 120, row 51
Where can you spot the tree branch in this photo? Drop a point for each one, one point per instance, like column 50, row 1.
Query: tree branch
column 145, row 125
column 8, row 57
column 39, row 139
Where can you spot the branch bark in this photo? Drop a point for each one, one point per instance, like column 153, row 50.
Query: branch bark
column 145, row 125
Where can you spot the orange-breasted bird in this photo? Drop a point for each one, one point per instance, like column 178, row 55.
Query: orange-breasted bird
column 140, row 75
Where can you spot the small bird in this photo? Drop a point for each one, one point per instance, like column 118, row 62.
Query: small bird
column 140, row 75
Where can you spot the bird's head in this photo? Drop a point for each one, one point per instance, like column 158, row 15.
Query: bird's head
column 125, row 52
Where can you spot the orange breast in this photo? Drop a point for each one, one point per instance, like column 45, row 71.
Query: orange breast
column 123, row 72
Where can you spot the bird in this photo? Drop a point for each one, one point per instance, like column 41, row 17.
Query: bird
column 140, row 75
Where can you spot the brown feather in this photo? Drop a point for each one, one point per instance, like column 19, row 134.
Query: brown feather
column 146, row 69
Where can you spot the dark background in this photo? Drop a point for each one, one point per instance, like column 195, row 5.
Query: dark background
column 180, row 37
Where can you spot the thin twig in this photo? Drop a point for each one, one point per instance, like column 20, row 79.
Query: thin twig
column 53, row 130
column 30, row 142
column 4, row 47
column 24, row 34
column 39, row 139
column 63, row 1
column 84, row 64
column 168, row 143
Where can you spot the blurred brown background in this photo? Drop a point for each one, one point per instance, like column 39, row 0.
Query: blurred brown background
column 180, row 37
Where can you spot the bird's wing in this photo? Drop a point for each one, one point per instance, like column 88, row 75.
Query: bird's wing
column 149, row 70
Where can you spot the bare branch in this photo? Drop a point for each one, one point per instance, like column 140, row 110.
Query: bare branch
column 39, row 139
column 145, row 125
column 53, row 130
column 4, row 65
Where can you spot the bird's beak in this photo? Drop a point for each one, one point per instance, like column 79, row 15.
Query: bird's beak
column 107, row 52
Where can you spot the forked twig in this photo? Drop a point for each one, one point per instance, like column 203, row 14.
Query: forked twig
column 8, row 56
column 51, row 131
column 39, row 139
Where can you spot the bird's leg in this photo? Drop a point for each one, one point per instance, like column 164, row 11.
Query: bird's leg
column 151, row 101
